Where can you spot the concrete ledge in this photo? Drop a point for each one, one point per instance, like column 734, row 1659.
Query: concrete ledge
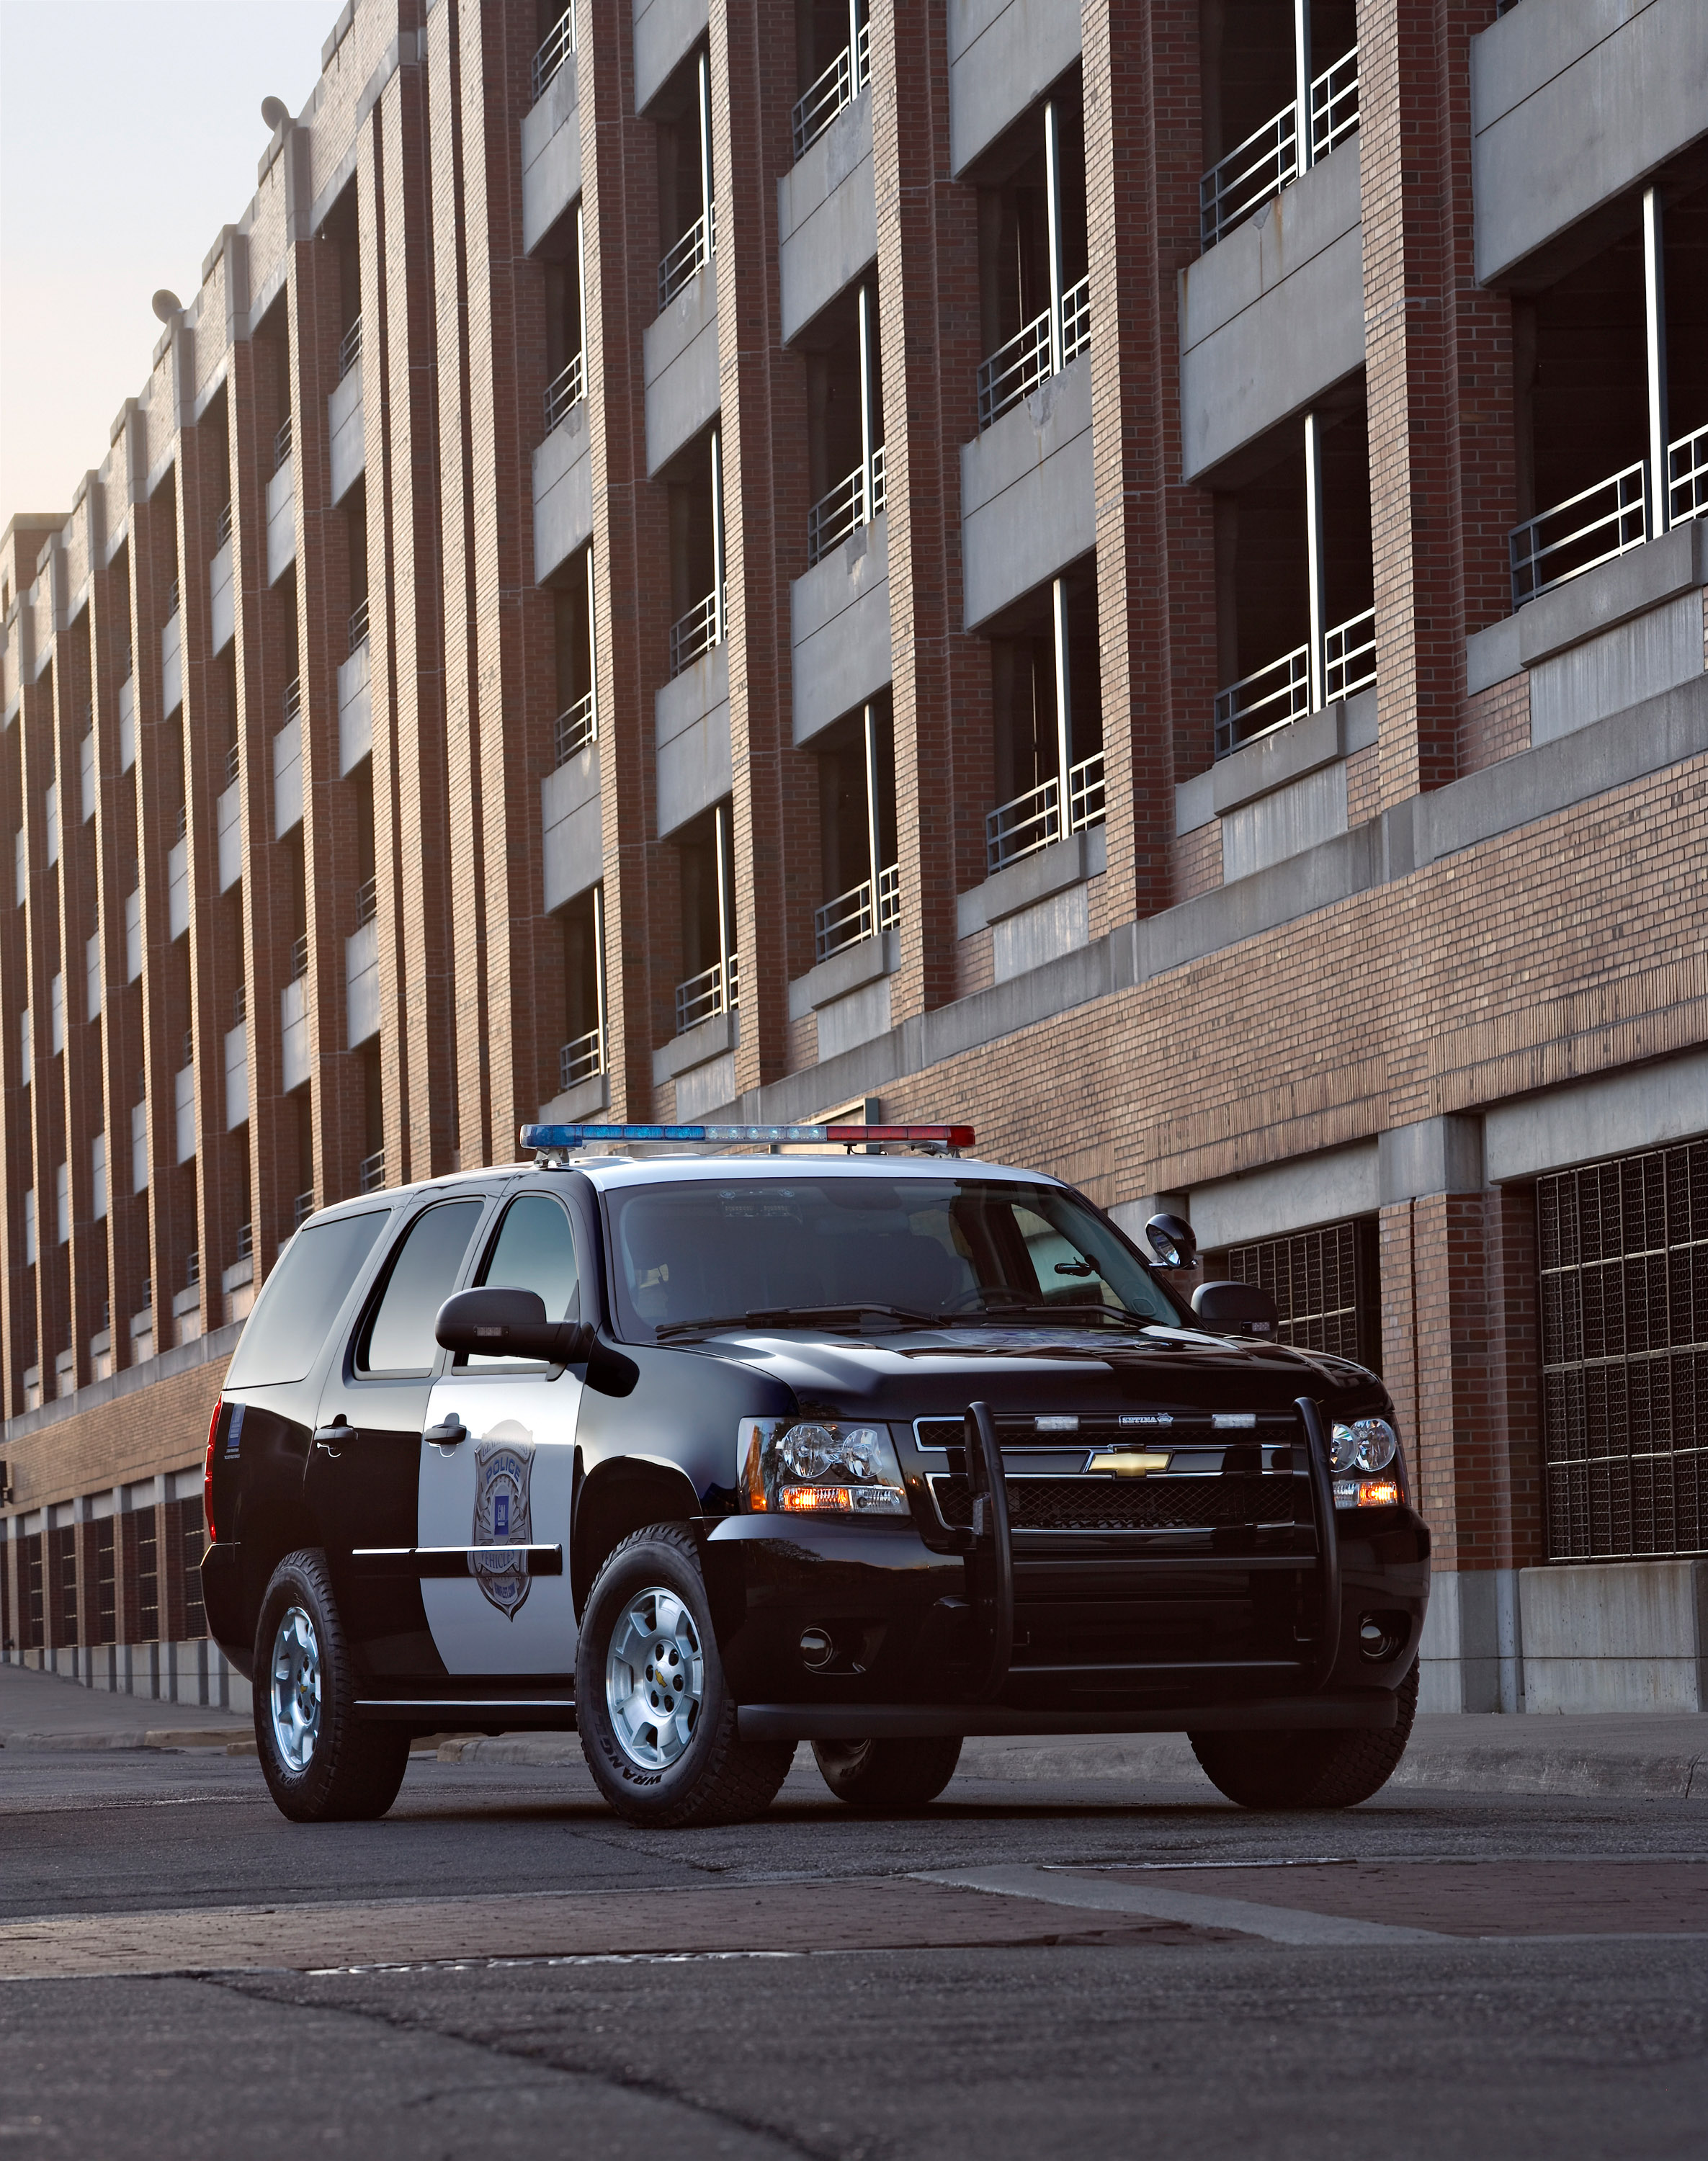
column 563, row 492
column 696, row 1047
column 1001, row 54
column 680, row 367
column 551, row 155
column 577, row 1104
column 826, row 217
column 666, row 32
column 183, row 1358
column 1436, row 1155
column 1034, row 878
column 1290, row 1196
column 839, row 629
column 1028, row 497
column 1301, row 747
column 1615, row 1114
column 1272, row 316
column 691, row 735
column 850, row 969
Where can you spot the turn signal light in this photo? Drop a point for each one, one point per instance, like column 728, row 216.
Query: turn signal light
column 1367, row 1493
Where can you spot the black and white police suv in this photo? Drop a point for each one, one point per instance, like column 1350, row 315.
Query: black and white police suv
column 702, row 1455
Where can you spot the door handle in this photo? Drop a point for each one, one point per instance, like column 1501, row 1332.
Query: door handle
column 447, row 1432
column 326, row 1436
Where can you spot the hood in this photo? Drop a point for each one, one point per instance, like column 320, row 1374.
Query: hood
column 937, row 1372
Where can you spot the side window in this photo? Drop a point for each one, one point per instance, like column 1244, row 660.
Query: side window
column 398, row 1337
column 301, row 1299
column 535, row 1250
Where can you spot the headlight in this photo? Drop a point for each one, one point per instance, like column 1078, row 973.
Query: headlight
column 807, row 1467
column 1366, row 1445
column 1364, row 1456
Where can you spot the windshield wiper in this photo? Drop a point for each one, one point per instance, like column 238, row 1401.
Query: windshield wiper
column 1063, row 1316
column 786, row 1316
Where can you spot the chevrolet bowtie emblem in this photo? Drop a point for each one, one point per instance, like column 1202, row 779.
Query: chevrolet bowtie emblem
column 1127, row 1462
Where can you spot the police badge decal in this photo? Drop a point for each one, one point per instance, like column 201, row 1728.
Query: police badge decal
column 502, row 1473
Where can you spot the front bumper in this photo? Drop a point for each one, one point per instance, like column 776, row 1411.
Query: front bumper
column 1107, row 1638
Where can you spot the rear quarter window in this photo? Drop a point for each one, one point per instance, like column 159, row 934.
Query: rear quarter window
column 300, row 1299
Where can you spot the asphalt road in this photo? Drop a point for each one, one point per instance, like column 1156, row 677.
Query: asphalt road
column 503, row 1967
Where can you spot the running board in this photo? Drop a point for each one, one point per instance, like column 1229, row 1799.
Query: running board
column 496, row 1715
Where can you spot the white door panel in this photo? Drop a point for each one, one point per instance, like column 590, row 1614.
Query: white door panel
column 509, row 1483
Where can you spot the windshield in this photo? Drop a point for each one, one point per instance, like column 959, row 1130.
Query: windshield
column 836, row 1248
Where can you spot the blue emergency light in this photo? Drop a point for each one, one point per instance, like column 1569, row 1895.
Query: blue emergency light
column 554, row 1139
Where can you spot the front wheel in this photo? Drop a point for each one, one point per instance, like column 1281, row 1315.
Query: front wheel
column 657, row 1722
column 322, row 1764
column 1307, row 1770
column 889, row 1774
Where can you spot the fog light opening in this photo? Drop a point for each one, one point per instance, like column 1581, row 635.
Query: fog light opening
column 818, row 1648
column 1382, row 1636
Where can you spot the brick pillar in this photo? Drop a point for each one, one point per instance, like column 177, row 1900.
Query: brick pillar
column 51, row 1318
column 764, row 446
column 405, row 635
column 1156, row 551
column 1438, row 371
column 631, row 556
column 257, row 393
column 215, row 946
column 1460, row 1357
column 330, row 850
column 929, row 311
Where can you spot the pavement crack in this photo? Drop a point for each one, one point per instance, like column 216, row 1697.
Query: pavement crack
column 255, row 1985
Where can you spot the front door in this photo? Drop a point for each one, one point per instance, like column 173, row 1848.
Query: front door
column 497, row 1501
column 364, row 1464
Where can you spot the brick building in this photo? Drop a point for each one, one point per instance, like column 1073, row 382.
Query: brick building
column 1130, row 572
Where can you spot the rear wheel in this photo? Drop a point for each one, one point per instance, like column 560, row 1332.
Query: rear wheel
column 1307, row 1770
column 657, row 1722
column 889, row 1774
column 322, row 1764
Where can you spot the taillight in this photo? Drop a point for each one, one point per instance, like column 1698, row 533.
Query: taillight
column 213, row 1427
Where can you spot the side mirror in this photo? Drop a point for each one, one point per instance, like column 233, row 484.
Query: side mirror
column 500, row 1322
column 1171, row 1241
column 1236, row 1308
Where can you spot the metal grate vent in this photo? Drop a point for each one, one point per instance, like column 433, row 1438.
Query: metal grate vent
column 1326, row 1287
column 1623, row 1252
column 1121, row 1504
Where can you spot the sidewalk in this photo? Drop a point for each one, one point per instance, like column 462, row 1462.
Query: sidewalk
column 41, row 1711
column 1633, row 1755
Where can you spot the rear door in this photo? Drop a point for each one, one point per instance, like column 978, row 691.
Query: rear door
column 364, row 1464
column 494, row 1504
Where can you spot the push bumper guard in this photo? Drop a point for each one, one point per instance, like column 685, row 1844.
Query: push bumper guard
column 991, row 1569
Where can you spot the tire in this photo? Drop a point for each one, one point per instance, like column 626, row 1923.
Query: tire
column 1307, row 1770
column 648, row 1648
column 889, row 1774
column 322, row 1764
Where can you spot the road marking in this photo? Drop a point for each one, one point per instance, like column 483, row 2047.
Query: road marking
column 1279, row 1924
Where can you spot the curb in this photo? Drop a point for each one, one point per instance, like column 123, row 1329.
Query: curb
column 84, row 1744
column 1168, row 1760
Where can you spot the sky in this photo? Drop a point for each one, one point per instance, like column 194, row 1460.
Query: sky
column 129, row 133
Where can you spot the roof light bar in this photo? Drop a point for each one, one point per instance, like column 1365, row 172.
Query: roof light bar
column 558, row 1138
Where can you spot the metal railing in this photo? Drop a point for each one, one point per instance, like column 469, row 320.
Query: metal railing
column 301, row 1209
column 689, row 256
column 189, row 1057
column 1016, row 369
column 559, row 44
column 1263, row 700
column 293, row 699
column 714, row 990
column 1687, row 478
column 281, row 445
column 183, row 820
column 1033, row 820
column 240, row 1005
column 564, row 391
column 222, row 528
column 583, row 1059
column 192, row 1270
column 174, row 600
column 367, row 901
column 1349, row 657
column 1267, row 160
column 234, row 763
column 816, row 108
column 847, row 920
column 358, row 623
column 246, row 1242
column 299, row 958
column 1086, row 792
column 575, row 728
column 695, row 633
column 350, row 349
column 1591, row 528
column 371, row 1172
column 845, row 509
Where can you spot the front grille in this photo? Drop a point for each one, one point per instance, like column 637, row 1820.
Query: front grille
column 1122, row 1504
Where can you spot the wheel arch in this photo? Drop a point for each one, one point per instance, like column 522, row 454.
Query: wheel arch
column 617, row 1498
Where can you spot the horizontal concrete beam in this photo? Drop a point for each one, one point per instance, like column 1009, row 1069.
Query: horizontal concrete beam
column 1611, row 594
column 665, row 32
column 551, row 155
column 1028, row 497
column 826, row 217
column 1285, row 1197
column 1614, row 1114
column 1002, row 53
